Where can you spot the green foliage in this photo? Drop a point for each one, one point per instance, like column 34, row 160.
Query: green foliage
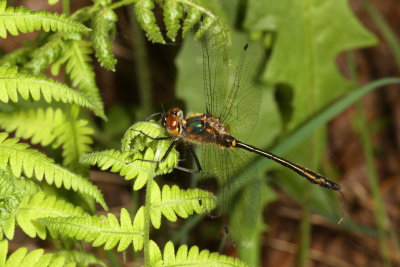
column 173, row 202
column 103, row 29
column 76, row 58
column 47, row 112
column 14, row 83
column 102, row 230
column 36, row 124
column 135, row 148
column 74, row 135
column 189, row 257
column 21, row 158
column 38, row 206
column 189, row 11
column 15, row 20
column 35, row 258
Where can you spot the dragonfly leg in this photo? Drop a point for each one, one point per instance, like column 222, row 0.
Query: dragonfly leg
column 196, row 159
column 153, row 115
column 186, row 169
column 155, row 138
column 171, row 146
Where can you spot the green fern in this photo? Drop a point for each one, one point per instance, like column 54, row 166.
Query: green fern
column 189, row 257
column 52, row 126
column 36, row 124
column 147, row 20
column 44, row 55
column 76, row 58
column 17, row 57
column 101, row 230
column 136, row 147
column 10, row 197
column 74, row 135
column 38, row 206
column 173, row 13
column 82, row 258
column 15, row 20
column 35, row 258
column 173, row 201
column 103, row 25
column 13, row 83
column 33, row 163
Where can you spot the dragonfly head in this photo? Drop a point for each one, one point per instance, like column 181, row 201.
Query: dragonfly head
column 172, row 121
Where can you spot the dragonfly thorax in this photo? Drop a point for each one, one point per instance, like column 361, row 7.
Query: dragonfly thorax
column 205, row 128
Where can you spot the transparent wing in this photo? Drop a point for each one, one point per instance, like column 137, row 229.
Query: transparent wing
column 242, row 102
column 215, row 74
column 240, row 204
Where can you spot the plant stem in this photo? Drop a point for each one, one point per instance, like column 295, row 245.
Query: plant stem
column 379, row 210
column 380, row 214
column 65, row 7
column 122, row 3
column 146, row 215
column 305, row 230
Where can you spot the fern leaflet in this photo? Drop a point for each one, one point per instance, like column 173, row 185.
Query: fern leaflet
column 75, row 137
column 21, row 257
column 36, row 124
column 189, row 257
column 81, row 257
column 13, row 83
column 101, row 230
column 103, row 25
column 32, row 162
column 20, row 19
column 173, row 201
column 147, row 20
column 44, row 55
column 77, row 60
column 39, row 206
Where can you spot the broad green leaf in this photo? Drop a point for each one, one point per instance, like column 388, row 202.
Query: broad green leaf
column 310, row 35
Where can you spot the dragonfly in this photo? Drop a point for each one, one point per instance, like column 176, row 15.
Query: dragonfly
column 232, row 107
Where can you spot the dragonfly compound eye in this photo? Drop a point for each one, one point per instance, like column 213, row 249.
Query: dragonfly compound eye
column 172, row 125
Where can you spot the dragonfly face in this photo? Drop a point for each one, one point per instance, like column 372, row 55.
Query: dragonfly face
column 172, row 121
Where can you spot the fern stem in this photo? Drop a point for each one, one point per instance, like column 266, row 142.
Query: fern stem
column 122, row 3
column 66, row 7
column 146, row 215
column 142, row 66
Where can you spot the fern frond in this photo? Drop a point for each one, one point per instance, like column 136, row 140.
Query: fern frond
column 75, row 137
column 173, row 12
column 39, row 206
column 101, row 230
column 189, row 257
column 77, row 60
column 193, row 16
column 10, row 197
column 20, row 19
column 103, row 26
column 136, row 146
column 33, row 163
column 13, row 83
column 173, row 202
column 21, row 257
column 46, row 54
column 16, row 57
column 36, row 124
column 129, row 165
column 147, row 20
column 82, row 258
